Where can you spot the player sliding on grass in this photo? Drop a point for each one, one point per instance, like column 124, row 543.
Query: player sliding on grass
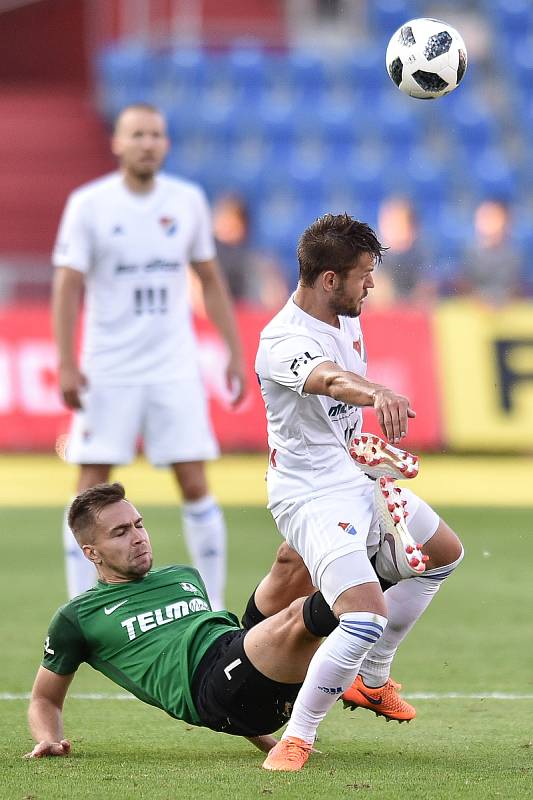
column 153, row 633
column 311, row 364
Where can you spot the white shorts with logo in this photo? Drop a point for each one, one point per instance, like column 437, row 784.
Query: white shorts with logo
column 172, row 419
column 327, row 527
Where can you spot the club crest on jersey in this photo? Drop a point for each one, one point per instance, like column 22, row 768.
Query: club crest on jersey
column 169, row 225
column 357, row 347
column 348, row 528
column 189, row 587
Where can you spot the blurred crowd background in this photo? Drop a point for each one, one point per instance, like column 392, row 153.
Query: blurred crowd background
column 282, row 110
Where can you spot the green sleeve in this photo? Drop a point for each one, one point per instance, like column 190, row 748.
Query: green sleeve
column 65, row 647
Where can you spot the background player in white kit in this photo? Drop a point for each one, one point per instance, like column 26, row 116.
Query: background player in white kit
column 128, row 238
column 311, row 365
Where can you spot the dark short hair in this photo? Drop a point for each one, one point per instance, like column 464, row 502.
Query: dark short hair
column 335, row 242
column 86, row 507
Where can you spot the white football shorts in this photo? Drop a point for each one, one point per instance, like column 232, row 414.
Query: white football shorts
column 171, row 419
column 327, row 528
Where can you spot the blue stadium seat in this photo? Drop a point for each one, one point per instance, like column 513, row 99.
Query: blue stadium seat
column 247, row 68
column 522, row 59
column 451, row 230
column 187, row 66
column 365, row 68
column 338, row 198
column 366, row 174
column 341, row 118
column 473, row 121
column 278, row 113
column 280, row 219
column 126, row 74
column 494, row 175
column 386, row 16
column 512, row 18
column 428, row 181
column 401, row 122
column 307, row 72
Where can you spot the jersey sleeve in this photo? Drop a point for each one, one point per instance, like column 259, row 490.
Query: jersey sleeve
column 73, row 243
column 65, row 647
column 290, row 360
column 203, row 246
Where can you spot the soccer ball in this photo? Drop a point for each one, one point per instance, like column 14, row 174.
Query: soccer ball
column 426, row 58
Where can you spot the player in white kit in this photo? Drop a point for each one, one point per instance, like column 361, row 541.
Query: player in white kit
column 128, row 238
column 311, row 364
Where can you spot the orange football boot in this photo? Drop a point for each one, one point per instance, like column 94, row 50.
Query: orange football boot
column 289, row 755
column 383, row 701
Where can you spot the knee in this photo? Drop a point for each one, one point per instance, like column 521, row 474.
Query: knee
column 295, row 617
column 366, row 597
column 444, row 548
column 454, row 550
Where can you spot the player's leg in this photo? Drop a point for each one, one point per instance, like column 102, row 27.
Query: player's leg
column 92, row 474
column 103, row 434
column 204, row 529
column 409, row 598
column 80, row 572
column 332, row 670
column 177, row 433
column 335, row 553
column 287, row 580
column 282, row 646
column 247, row 681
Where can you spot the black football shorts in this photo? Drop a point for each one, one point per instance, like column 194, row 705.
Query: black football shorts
column 232, row 696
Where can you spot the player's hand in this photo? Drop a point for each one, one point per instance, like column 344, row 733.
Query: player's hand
column 393, row 411
column 45, row 748
column 236, row 380
column 71, row 383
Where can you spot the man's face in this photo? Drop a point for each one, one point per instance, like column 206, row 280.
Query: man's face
column 140, row 142
column 352, row 287
column 121, row 544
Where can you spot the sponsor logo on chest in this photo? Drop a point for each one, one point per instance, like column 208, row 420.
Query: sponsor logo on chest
column 148, row 620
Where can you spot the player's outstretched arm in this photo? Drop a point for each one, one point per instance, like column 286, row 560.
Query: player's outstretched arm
column 220, row 310
column 392, row 410
column 45, row 714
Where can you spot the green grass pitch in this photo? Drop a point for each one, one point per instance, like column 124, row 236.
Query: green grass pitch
column 476, row 639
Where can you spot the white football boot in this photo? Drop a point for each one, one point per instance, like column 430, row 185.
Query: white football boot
column 399, row 556
column 380, row 459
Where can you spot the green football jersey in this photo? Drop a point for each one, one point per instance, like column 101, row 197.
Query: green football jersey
column 147, row 635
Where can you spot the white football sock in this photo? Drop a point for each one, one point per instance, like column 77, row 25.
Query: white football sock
column 406, row 602
column 204, row 529
column 332, row 670
column 80, row 572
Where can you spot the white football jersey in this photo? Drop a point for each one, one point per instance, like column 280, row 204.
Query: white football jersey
column 307, row 434
column 134, row 251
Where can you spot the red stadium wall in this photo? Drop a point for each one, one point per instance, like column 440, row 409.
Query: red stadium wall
column 400, row 343
column 44, row 42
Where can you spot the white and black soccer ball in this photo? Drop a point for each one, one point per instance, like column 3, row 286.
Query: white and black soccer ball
column 426, row 58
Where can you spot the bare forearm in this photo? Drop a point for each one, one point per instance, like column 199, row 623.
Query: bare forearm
column 351, row 388
column 220, row 312
column 45, row 720
column 65, row 309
